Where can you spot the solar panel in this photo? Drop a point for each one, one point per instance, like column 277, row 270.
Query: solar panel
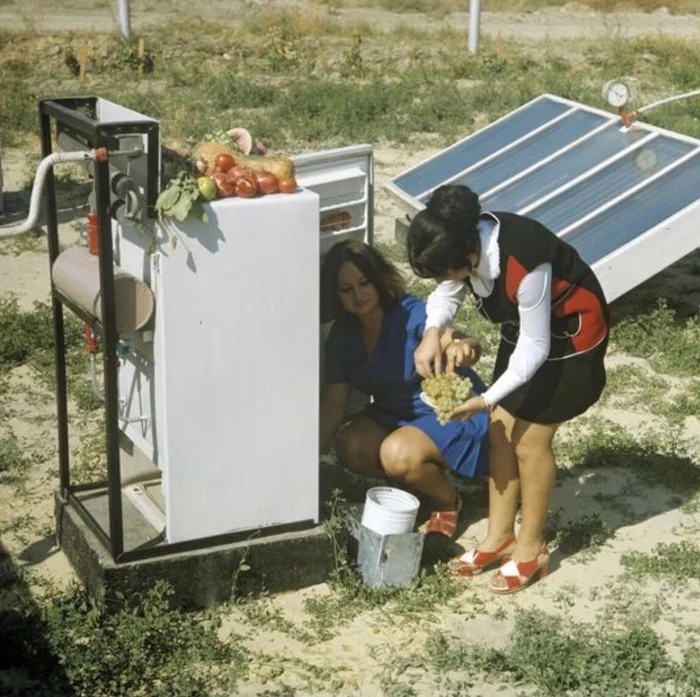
column 628, row 199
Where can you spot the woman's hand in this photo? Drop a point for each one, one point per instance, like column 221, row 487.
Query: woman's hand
column 470, row 408
column 461, row 352
column 428, row 355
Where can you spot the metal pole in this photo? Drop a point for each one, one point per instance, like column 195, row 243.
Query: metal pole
column 109, row 352
column 57, row 310
column 124, row 19
column 474, row 17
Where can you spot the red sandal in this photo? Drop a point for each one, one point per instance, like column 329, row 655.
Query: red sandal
column 474, row 562
column 521, row 574
column 445, row 522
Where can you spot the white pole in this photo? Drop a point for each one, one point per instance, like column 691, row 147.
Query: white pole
column 124, row 19
column 474, row 17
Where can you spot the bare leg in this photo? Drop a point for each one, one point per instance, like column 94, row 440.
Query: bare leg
column 504, row 482
column 358, row 446
column 537, row 466
column 410, row 455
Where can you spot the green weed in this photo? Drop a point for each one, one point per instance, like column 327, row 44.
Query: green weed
column 670, row 345
column 679, row 560
column 14, row 461
column 587, row 534
column 663, row 457
column 144, row 650
column 561, row 657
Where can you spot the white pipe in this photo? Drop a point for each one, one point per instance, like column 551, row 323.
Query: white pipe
column 93, row 380
column 38, row 189
column 124, row 19
column 667, row 100
column 474, row 18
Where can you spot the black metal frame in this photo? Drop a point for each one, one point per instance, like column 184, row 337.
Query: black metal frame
column 79, row 116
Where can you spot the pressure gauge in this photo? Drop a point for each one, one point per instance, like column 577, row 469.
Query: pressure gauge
column 616, row 93
column 646, row 160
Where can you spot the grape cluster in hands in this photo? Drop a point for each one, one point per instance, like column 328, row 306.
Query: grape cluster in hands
column 446, row 392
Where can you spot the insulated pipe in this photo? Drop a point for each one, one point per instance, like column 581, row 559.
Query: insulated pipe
column 474, row 19
column 124, row 19
column 694, row 93
column 38, row 189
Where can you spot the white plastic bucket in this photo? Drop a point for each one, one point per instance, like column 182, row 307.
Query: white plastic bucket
column 390, row 511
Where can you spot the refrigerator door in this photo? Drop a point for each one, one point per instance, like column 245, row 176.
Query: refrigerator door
column 343, row 178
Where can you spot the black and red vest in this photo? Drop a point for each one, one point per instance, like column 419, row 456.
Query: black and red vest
column 580, row 314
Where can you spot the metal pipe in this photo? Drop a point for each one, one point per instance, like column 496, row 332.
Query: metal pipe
column 124, row 19
column 474, row 19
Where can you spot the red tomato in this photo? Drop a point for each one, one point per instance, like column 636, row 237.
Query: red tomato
column 267, row 182
column 224, row 185
column 288, row 186
column 224, row 162
column 246, row 187
column 238, row 171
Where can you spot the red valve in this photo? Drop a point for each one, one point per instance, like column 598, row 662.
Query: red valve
column 90, row 340
column 93, row 234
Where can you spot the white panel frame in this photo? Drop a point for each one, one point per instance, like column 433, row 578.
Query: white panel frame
column 628, row 192
column 412, row 205
column 497, row 153
column 587, row 174
column 652, row 252
column 546, row 160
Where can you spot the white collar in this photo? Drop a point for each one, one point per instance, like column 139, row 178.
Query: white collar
column 489, row 266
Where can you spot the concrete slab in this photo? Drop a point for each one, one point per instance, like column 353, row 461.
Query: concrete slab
column 199, row 578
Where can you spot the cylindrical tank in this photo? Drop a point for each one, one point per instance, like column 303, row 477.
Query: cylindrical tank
column 76, row 274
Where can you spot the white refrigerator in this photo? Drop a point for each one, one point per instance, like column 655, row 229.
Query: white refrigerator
column 222, row 394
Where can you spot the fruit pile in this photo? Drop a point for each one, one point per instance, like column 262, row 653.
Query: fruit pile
column 446, row 392
column 223, row 165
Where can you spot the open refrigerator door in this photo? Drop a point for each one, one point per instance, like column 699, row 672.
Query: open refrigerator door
column 343, row 178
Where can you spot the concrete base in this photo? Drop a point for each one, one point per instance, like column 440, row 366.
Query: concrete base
column 401, row 229
column 199, row 578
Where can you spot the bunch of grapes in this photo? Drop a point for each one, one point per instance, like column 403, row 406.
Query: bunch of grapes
column 446, row 392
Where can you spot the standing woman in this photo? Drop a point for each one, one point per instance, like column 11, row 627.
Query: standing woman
column 550, row 364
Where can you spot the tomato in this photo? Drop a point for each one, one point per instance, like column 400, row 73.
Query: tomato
column 224, row 185
column 288, row 186
column 224, row 162
column 246, row 187
column 238, row 171
column 267, row 182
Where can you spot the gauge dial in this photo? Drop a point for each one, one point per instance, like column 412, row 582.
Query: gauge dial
column 616, row 93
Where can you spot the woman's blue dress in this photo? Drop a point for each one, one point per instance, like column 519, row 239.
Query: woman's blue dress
column 390, row 378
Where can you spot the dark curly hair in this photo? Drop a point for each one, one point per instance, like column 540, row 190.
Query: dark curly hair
column 383, row 275
column 444, row 234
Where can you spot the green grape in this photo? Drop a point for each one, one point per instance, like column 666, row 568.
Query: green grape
column 446, row 392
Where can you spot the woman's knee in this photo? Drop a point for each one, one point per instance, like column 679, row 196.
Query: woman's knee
column 398, row 455
column 533, row 443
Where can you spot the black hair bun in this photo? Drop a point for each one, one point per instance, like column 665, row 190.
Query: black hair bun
column 455, row 203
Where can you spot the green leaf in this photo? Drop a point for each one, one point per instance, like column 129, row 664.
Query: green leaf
column 168, row 198
column 181, row 210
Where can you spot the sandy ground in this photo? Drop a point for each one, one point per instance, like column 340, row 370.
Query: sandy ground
column 580, row 588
